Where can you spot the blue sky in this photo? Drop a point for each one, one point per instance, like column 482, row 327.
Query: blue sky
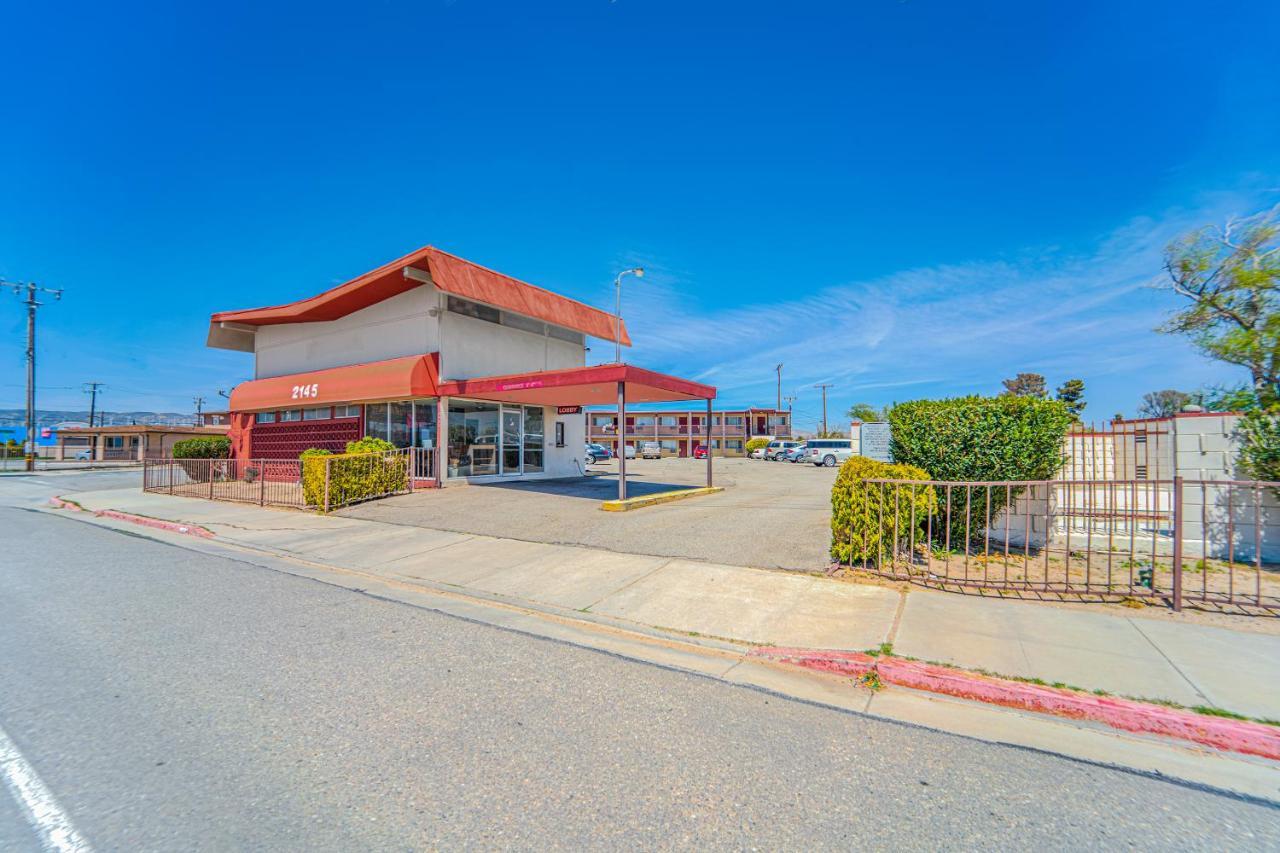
column 900, row 198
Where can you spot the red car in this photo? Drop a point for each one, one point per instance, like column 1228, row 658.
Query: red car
column 700, row 452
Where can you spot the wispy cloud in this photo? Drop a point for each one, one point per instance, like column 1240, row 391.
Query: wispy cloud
column 952, row 329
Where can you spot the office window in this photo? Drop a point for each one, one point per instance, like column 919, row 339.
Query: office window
column 265, row 417
column 320, row 413
column 346, row 411
column 291, row 415
column 534, row 436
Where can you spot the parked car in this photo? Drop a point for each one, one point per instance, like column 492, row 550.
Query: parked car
column 758, row 453
column 830, row 451
column 774, row 449
column 597, row 453
column 630, row 451
column 799, row 453
column 85, row 455
column 700, row 452
column 651, row 450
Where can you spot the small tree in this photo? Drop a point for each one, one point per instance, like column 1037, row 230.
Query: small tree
column 1163, row 404
column 1026, row 385
column 864, row 412
column 1230, row 277
column 1071, row 394
column 1259, row 435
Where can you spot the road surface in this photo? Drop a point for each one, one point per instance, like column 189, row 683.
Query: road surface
column 174, row 700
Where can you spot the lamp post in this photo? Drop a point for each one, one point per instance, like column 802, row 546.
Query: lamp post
column 638, row 272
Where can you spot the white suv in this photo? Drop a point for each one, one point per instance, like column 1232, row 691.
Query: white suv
column 774, row 450
column 829, row 451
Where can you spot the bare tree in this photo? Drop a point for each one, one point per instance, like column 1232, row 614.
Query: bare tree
column 1163, row 404
column 1230, row 277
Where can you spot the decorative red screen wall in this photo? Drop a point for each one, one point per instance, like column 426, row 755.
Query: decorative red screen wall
column 288, row 440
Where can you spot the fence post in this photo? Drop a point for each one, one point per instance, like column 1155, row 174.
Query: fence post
column 326, row 484
column 1177, row 544
column 144, row 474
column 410, row 459
column 262, row 484
column 210, row 462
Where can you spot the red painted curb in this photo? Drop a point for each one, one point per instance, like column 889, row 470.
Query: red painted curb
column 59, row 503
column 1219, row 732
column 159, row 524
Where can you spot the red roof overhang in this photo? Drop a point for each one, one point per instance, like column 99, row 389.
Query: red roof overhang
column 450, row 274
column 394, row 379
column 580, row 386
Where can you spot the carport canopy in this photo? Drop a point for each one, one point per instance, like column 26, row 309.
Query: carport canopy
column 595, row 385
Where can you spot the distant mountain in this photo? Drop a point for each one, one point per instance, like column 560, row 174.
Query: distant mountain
column 80, row 417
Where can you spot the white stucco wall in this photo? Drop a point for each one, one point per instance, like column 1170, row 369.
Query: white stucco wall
column 471, row 348
column 395, row 327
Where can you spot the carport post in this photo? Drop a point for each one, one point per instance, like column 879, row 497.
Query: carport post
column 622, row 444
column 707, row 442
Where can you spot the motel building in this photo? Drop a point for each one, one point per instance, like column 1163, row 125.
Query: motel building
column 679, row 432
column 483, row 376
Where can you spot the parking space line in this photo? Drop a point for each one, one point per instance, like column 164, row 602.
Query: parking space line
column 45, row 816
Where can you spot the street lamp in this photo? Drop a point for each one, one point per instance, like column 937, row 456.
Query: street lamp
column 638, row 272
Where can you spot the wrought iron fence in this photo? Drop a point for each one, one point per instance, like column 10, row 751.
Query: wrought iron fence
column 1212, row 542
column 322, row 483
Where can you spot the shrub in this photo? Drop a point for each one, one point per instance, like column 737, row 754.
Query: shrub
column 367, row 471
column 863, row 521
column 755, row 444
column 203, row 447
column 980, row 438
column 1259, row 435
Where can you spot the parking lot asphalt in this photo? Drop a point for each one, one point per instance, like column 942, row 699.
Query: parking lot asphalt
column 770, row 515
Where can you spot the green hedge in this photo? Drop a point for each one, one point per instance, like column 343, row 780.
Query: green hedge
column 203, row 447
column 863, row 520
column 982, row 439
column 364, row 471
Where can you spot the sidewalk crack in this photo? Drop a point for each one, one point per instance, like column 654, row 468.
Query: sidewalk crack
column 1169, row 660
column 630, row 583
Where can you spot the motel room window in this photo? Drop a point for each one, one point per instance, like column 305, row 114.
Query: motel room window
column 733, row 420
column 602, row 420
column 318, row 414
column 346, row 411
column 473, row 438
column 291, row 415
column 265, row 417
column 643, row 421
column 667, row 421
column 668, row 446
column 534, row 438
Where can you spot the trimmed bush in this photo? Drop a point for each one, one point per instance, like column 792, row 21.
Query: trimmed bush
column 984, row 439
column 863, row 519
column 367, row 471
column 203, row 447
column 755, row 444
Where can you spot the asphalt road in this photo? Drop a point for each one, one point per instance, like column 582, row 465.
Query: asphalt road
column 173, row 700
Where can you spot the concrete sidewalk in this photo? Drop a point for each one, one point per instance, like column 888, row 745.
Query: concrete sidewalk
column 1134, row 656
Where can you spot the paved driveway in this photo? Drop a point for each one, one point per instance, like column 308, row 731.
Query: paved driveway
column 771, row 514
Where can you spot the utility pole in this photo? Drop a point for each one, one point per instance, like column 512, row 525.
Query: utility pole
column 92, row 388
column 199, row 401
column 779, row 369
column 791, row 421
column 31, row 289
column 824, row 386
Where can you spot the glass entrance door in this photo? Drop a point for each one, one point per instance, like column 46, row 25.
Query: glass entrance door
column 512, row 435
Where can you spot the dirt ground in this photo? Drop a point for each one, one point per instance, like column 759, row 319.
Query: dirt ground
column 770, row 515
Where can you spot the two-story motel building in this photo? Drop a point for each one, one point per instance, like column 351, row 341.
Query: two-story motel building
column 428, row 340
column 679, row 431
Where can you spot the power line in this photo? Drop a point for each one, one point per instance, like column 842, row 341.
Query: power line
column 32, row 289
column 199, row 401
column 92, row 388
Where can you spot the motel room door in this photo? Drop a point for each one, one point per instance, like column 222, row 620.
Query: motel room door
column 512, row 439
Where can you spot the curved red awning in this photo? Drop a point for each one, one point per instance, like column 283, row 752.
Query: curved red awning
column 581, row 386
column 393, row 379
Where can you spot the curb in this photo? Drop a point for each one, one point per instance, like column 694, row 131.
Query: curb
column 658, row 498
column 142, row 520
column 1241, row 736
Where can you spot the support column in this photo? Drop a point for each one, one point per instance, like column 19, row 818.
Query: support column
column 622, row 441
column 442, row 431
column 708, row 432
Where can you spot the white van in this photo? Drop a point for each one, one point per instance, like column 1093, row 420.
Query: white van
column 829, row 451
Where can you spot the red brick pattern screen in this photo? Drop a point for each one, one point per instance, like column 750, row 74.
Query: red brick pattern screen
column 288, row 440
